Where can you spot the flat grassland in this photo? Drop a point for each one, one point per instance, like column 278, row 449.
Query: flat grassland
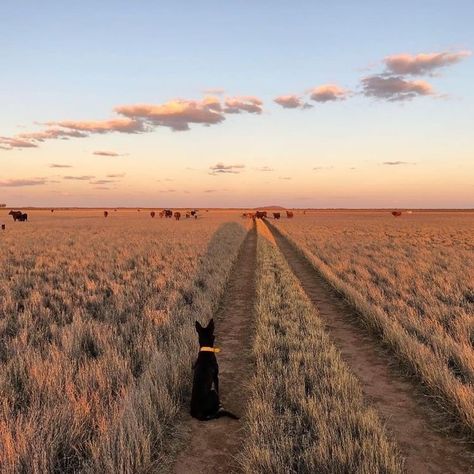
column 97, row 335
column 412, row 280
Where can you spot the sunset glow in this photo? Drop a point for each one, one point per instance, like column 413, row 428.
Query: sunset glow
column 242, row 105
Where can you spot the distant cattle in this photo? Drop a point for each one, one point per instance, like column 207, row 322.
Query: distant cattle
column 18, row 216
column 138, row 210
column 152, row 214
column 194, row 212
column 260, row 214
column 177, row 215
column 161, row 214
column 289, row 214
column 276, row 215
column 106, row 214
column 52, row 210
column 396, row 213
column 188, row 215
column 3, row 226
column 168, row 213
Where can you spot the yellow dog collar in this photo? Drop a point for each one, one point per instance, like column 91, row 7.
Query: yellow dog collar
column 209, row 349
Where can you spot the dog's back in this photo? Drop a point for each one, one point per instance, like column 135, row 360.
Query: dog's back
column 205, row 395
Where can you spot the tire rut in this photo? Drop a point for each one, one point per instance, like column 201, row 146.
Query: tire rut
column 212, row 445
column 397, row 399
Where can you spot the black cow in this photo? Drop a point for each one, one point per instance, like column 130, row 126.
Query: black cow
column 18, row 216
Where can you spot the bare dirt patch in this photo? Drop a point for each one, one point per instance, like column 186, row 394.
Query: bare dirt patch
column 396, row 398
column 213, row 445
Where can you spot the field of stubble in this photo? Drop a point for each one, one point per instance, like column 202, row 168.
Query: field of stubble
column 412, row 280
column 96, row 333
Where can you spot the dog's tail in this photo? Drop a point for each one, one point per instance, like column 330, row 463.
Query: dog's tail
column 222, row 412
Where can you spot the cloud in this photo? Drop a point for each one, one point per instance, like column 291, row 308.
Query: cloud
column 394, row 88
column 396, row 163
column 103, row 181
column 107, row 153
column 118, row 175
column 51, row 134
column 176, row 114
column 79, row 178
column 17, row 183
column 123, row 125
column 292, row 101
column 210, row 190
column 250, row 104
column 221, row 168
column 56, row 165
column 265, row 168
column 321, row 168
column 328, row 93
column 423, row 63
column 7, row 143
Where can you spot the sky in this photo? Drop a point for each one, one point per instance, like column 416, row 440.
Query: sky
column 237, row 104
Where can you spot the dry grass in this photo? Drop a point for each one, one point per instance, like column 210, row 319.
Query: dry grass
column 96, row 340
column 306, row 411
column 412, row 281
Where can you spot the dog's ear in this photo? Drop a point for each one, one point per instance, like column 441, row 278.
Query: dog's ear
column 199, row 328
column 210, row 325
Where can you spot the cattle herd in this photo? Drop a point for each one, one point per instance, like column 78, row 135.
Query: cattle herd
column 169, row 214
column 264, row 215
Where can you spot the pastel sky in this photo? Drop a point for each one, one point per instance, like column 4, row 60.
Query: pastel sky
column 236, row 104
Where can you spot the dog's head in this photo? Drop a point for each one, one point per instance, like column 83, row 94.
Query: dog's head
column 206, row 334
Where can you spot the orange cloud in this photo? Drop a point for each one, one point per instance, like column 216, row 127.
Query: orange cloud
column 328, row 93
column 290, row 101
column 394, row 88
column 51, row 134
column 9, row 143
column 176, row 114
column 235, row 105
column 124, row 125
column 422, row 63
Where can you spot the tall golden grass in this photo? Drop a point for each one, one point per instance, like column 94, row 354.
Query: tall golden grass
column 412, row 281
column 97, row 338
column 306, row 411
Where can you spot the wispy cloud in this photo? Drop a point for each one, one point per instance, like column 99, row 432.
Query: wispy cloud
column 397, row 163
column 108, row 153
column 423, row 63
column 9, row 143
column 123, row 125
column 79, row 178
column 210, row 190
column 221, row 168
column 18, row 183
column 103, row 181
column 394, row 88
column 264, row 169
column 57, row 165
column 328, row 93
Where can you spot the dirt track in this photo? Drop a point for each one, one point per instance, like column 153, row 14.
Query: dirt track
column 394, row 397
column 213, row 445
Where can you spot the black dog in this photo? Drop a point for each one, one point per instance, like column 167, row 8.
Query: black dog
column 205, row 396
